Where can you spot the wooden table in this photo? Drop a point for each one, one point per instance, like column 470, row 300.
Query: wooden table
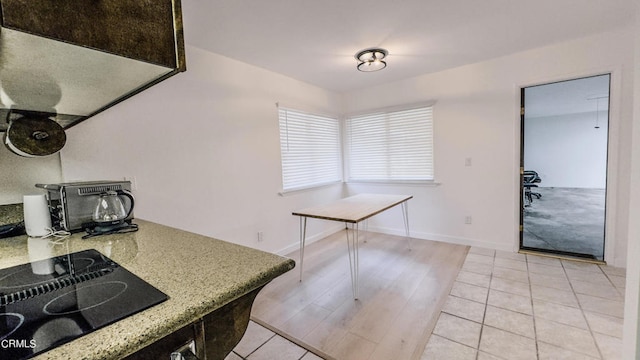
column 352, row 210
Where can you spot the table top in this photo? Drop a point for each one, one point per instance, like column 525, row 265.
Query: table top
column 355, row 208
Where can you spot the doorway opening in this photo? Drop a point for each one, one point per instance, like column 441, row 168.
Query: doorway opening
column 563, row 166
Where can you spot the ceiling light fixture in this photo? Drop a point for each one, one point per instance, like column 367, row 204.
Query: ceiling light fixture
column 371, row 59
column 597, row 99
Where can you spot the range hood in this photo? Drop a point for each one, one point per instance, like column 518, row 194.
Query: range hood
column 67, row 60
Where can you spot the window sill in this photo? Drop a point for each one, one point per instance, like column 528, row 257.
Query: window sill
column 397, row 182
column 307, row 188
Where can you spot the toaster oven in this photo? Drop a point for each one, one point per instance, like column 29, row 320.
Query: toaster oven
column 72, row 204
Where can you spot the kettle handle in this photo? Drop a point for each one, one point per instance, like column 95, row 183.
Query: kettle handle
column 131, row 198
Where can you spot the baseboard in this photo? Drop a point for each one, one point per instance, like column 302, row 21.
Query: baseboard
column 311, row 239
column 442, row 238
column 400, row 232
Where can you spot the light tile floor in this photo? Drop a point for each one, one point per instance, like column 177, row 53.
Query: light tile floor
column 260, row 343
column 515, row 306
column 505, row 306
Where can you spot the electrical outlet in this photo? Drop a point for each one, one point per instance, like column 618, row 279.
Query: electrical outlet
column 467, row 161
column 260, row 236
column 467, row 219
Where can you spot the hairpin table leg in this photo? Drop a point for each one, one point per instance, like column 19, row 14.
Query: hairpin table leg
column 303, row 235
column 352, row 245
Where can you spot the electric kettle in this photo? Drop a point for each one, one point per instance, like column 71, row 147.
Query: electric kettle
column 110, row 208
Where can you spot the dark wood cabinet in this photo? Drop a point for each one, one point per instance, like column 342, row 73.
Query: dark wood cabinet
column 215, row 335
column 67, row 60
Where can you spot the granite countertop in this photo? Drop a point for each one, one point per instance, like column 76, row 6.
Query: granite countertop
column 200, row 274
column 11, row 213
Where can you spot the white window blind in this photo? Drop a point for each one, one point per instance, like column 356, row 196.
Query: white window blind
column 391, row 146
column 310, row 149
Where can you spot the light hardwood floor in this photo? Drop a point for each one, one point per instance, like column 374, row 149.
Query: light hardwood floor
column 401, row 293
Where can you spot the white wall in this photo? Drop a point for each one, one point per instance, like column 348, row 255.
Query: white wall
column 631, row 339
column 477, row 116
column 18, row 175
column 567, row 151
column 204, row 149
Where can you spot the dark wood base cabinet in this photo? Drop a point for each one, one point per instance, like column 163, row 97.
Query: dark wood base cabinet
column 214, row 335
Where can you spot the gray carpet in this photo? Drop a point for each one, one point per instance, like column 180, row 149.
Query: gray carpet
column 566, row 219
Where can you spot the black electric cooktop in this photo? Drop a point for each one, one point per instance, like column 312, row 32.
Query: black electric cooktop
column 47, row 303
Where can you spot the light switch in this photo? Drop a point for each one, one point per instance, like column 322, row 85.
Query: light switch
column 467, row 161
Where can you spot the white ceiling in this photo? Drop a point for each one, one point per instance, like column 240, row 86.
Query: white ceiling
column 568, row 97
column 315, row 41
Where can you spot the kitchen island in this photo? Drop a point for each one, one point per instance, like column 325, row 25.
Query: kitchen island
column 211, row 285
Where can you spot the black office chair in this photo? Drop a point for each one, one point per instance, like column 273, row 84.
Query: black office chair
column 529, row 180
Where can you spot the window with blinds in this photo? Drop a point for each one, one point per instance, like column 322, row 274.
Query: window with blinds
column 391, row 146
column 310, row 149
